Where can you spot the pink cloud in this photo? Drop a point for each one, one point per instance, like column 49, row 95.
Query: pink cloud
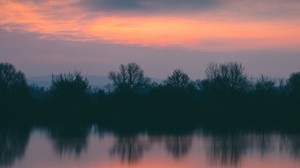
column 217, row 30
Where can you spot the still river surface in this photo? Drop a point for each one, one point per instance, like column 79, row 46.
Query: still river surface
column 91, row 147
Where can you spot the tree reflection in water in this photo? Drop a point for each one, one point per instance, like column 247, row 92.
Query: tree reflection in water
column 130, row 149
column 291, row 144
column 13, row 142
column 264, row 143
column 228, row 149
column 69, row 139
column 178, row 146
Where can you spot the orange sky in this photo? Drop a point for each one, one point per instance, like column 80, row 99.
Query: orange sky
column 41, row 37
column 215, row 30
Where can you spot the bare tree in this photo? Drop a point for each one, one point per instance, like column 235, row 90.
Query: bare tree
column 227, row 77
column 265, row 86
column 178, row 80
column 130, row 78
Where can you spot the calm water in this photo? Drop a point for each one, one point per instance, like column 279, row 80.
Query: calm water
column 90, row 147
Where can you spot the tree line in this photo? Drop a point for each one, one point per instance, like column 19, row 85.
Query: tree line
column 226, row 94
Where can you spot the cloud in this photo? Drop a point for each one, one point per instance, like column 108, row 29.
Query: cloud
column 149, row 6
column 219, row 26
column 250, row 9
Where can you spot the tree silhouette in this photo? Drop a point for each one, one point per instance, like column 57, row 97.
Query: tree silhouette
column 294, row 83
column 293, row 87
column 264, row 96
column 225, row 96
column 264, row 86
column 130, row 78
column 225, row 90
column 227, row 78
column 70, row 89
column 178, row 80
column 12, row 82
column 14, row 92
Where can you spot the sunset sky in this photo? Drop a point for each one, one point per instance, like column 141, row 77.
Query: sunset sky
column 41, row 37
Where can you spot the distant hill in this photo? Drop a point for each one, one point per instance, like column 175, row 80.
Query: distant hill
column 95, row 81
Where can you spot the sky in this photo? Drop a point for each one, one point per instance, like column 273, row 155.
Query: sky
column 41, row 37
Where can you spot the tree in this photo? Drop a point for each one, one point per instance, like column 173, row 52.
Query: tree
column 227, row 78
column 264, row 95
column 12, row 83
column 178, row 80
column 130, row 78
column 71, row 87
column 264, row 86
column 294, row 83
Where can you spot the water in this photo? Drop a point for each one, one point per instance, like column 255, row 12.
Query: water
column 91, row 147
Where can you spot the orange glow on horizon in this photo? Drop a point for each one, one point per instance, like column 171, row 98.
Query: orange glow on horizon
column 62, row 20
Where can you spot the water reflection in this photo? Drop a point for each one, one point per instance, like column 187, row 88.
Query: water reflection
column 109, row 149
column 178, row 146
column 266, row 143
column 291, row 144
column 130, row 148
column 69, row 140
column 228, row 149
column 13, row 142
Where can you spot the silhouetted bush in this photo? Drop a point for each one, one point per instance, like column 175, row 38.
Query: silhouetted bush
column 69, row 92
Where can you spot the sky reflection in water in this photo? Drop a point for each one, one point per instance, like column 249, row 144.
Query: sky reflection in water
column 62, row 146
